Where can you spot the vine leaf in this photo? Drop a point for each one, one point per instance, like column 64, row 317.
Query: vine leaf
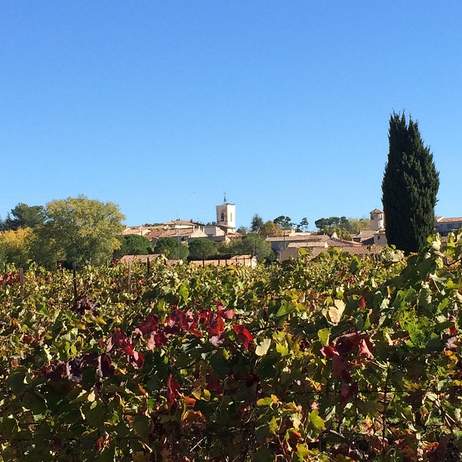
column 263, row 347
column 316, row 420
column 334, row 313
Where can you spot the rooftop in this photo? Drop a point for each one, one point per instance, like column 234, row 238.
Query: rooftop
column 182, row 222
column 179, row 232
column 305, row 237
column 449, row 220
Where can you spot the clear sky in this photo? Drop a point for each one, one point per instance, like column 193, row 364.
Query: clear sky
column 161, row 106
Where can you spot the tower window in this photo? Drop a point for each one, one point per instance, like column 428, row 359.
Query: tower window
column 222, row 216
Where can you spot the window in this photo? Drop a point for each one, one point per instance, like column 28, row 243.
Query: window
column 222, row 216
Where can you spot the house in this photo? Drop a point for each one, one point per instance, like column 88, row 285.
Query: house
column 224, row 229
column 182, row 224
column 279, row 243
column 182, row 234
column 314, row 248
column 293, row 241
column 375, row 235
column 446, row 225
column 136, row 230
column 214, row 232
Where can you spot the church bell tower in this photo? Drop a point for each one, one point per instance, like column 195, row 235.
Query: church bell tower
column 226, row 215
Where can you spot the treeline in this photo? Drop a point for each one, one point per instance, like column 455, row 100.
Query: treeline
column 196, row 248
column 344, row 227
column 69, row 231
column 78, row 231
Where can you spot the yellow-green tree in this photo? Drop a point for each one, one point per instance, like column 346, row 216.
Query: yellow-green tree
column 270, row 228
column 15, row 246
column 78, row 231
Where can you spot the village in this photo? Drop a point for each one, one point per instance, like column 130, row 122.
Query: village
column 286, row 244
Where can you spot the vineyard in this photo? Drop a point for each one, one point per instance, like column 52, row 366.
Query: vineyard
column 335, row 359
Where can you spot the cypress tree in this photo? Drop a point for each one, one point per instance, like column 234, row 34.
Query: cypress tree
column 410, row 186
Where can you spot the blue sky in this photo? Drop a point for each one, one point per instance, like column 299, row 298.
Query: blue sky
column 162, row 106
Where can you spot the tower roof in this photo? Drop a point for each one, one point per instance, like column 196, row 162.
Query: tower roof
column 225, row 201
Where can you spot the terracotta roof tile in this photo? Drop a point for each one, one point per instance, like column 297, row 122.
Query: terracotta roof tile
column 449, row 220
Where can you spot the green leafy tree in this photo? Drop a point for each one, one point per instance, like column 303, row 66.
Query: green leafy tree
column 256, row 224
column 303, row 225
column 284, row 222
column 78, row 231
column 410, row 186
column 133, row 244
column 242, row 230
column 270, row 228
column 252, row 244
column 24, row 216
column 201, row 248
column 172, row 248
column 324, row 224
column 357, row 224
column 342, row 226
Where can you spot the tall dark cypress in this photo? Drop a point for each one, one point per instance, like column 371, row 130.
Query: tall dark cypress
column 410, row 186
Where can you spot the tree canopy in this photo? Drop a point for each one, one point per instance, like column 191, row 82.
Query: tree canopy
column 172, row 248
column 284, row 222
column 133, row 244
column 270, row 228
column 410, row 186
column 303, row 225
column 256, row 224
column 325, row 223
column 342, row 226
column 251, row 244
column 201, row 248
column 14, row 246
column 24, row 216
column 78, row 231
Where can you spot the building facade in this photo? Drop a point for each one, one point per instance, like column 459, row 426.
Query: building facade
column 226, row 216
column 446, row 225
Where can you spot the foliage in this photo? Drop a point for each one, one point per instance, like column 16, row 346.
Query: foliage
column 24, row 216
column 284, row 222
column 270, row 229
column 133, row 244
column 303, row 225
column 172, row 248
column 344, row 227
column 335, row 359
column 256, row 224
column 355, row 225
column 410, row 186
column 201, row 248
column 14, row 247
column 242, row 230
column 251, row 244
column 78, row 230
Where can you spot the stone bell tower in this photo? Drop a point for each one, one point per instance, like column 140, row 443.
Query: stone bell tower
column 226, row 215
column 377, row 220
